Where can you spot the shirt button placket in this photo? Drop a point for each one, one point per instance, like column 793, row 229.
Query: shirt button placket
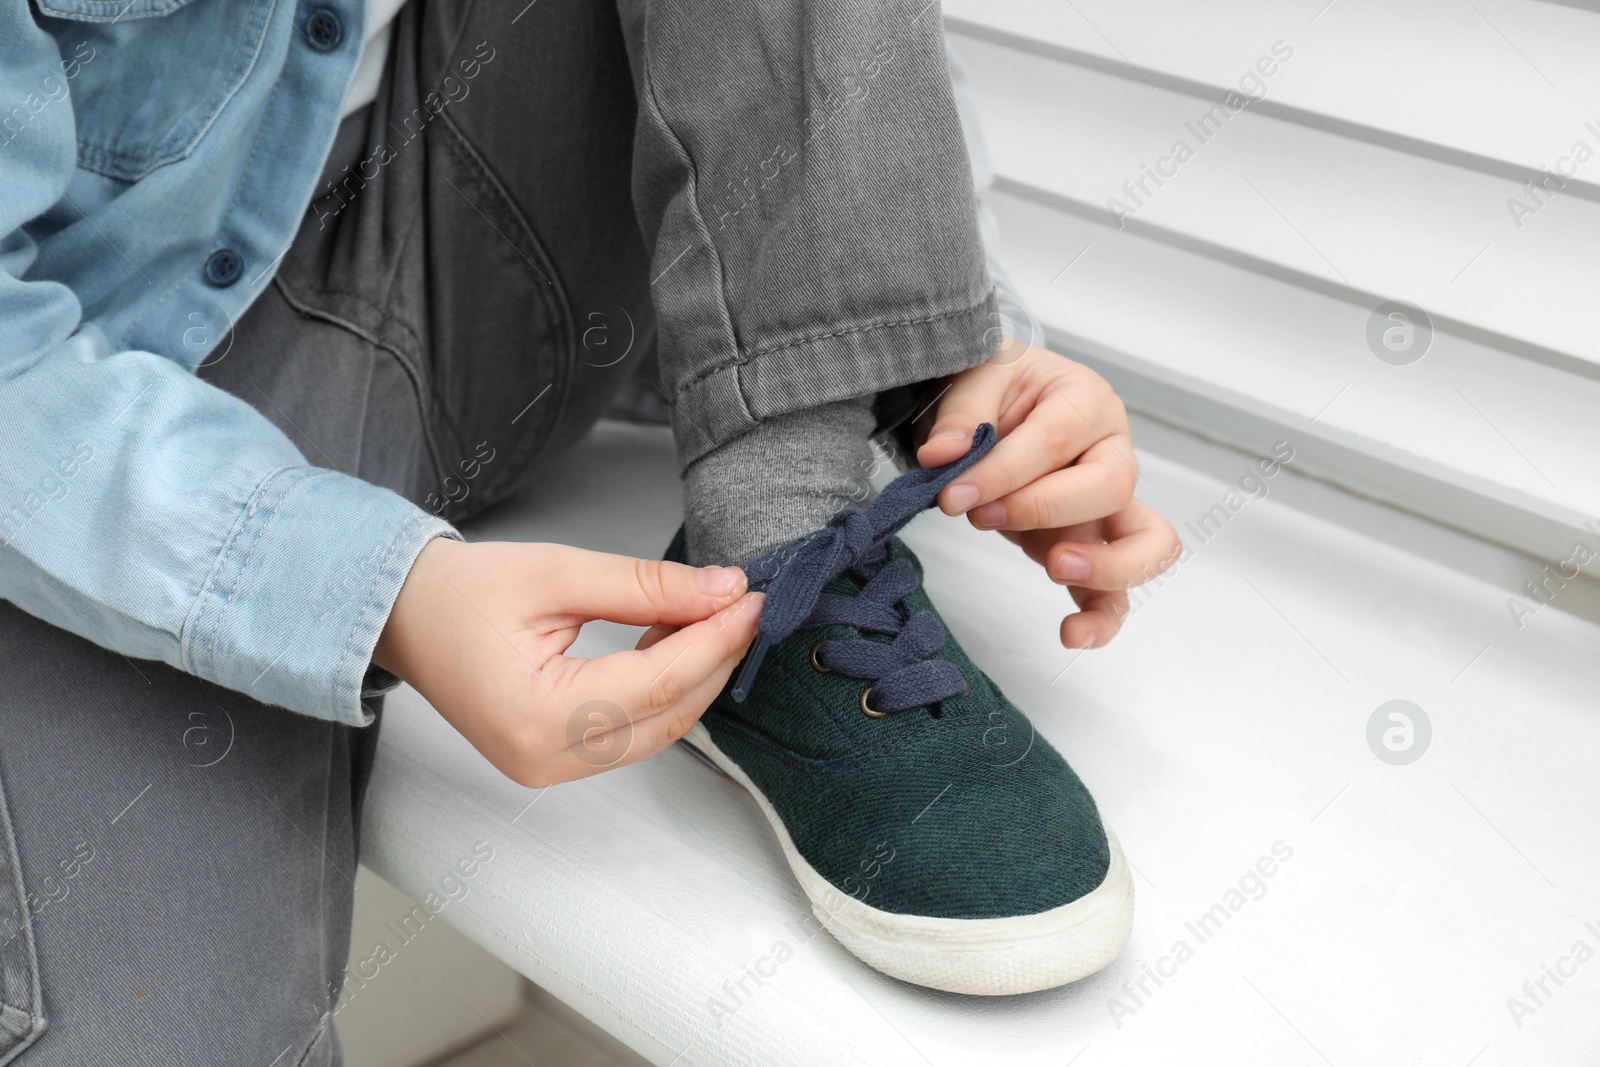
column 323, row 30
column 224, row 267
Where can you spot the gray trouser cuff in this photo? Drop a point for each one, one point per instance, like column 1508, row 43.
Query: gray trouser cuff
column 875, row 358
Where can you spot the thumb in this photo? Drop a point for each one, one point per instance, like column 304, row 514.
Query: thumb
column 639, row 592
column 974, row 398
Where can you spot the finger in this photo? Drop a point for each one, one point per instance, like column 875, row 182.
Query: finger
column 638, row 592
column 627, row 705
column 1142, row 544
column 1101, row 483
column 654, row 634
column 1060, row 429
column 1098, row 622
column 676, row 695
column 602, row 744
column 650, row 681
column 974, row 397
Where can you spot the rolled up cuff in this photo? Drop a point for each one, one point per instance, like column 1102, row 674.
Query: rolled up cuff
column 876, row 357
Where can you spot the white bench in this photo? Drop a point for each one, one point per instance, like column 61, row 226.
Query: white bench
column 1229, row 719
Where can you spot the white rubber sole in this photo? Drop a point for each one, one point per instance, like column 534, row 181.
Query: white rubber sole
column 986, row 957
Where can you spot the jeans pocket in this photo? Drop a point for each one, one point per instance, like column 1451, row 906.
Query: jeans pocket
column 504, row 336
column 21, row 1003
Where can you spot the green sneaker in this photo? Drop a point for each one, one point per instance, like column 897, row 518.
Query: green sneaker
column 938, row 837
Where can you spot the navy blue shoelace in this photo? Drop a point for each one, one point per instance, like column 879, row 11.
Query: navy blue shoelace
column 902, row 674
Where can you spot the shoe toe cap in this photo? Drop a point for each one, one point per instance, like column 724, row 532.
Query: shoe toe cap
column 957, row 830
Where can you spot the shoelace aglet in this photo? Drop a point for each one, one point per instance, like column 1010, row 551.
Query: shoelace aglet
column 752, row 664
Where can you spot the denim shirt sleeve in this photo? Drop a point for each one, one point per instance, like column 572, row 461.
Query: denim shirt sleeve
column 152, row 513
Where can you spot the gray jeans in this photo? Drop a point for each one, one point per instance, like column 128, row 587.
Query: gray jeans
column 784, row 210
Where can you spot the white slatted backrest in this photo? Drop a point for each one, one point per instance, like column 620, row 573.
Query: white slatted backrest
column 1238, row 253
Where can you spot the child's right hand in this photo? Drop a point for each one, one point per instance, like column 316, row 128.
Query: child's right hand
column 481, row 630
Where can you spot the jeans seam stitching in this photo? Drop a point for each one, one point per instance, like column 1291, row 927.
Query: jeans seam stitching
column 868, row 328
column 322, row 898
column 752, row 356
column 427, row 402
column 459, row 147
column 380, row 310
column 27, row 948
column 703, row 232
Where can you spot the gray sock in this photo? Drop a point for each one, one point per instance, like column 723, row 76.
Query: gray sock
column 781, row 480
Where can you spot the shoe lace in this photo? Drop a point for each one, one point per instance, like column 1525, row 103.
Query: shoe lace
column 902, row 673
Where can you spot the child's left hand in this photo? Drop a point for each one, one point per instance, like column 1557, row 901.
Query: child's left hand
column 1059, row 483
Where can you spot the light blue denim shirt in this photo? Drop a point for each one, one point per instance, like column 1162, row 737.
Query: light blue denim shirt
column 155, row 160
column 156, row 157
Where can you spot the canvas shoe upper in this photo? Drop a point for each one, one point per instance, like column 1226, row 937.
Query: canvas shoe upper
column 937, row 834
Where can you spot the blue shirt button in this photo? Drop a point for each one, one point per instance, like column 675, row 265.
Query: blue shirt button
column 224, row 267
column 323, row 30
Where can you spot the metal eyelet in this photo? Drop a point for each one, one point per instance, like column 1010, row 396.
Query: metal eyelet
column 866, row 708
column 817, row 663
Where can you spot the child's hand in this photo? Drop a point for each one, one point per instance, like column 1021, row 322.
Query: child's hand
column 1059, row 483
column 481, row 630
